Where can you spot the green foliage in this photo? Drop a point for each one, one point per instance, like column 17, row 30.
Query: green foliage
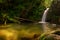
column 47, row 35
column 42, row 37
column 27, row 9
column 48, row 3
column 1, row 1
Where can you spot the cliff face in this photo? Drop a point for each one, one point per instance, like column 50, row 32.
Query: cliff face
column 54, row 12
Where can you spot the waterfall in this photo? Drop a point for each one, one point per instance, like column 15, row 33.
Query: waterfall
column 44, row 16
column 44, row 24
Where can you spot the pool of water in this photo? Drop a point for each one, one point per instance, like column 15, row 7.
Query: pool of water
column 26, row 30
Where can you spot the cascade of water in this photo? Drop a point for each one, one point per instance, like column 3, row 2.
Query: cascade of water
column 44, row 24
column 44, row 16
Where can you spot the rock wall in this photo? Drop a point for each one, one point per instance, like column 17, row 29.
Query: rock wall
column 54, row 12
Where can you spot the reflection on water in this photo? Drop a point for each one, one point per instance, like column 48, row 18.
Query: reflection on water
column 25, row 31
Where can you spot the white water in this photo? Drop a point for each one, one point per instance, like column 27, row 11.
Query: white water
column 44, row 16
column 44, row 24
